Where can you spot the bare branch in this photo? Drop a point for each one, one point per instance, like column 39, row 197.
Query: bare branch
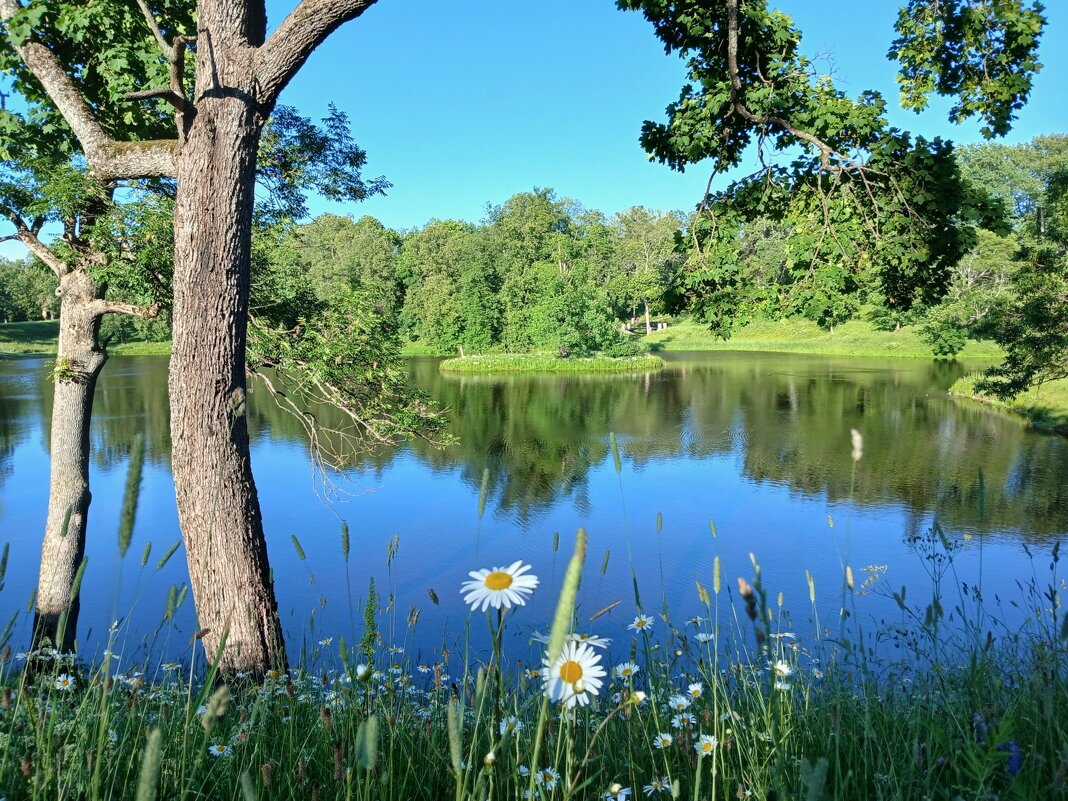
column 154, row 26
column 102, row 307
column 306, row 27
column 42, row 252
column 108, row 159
column 164, row 92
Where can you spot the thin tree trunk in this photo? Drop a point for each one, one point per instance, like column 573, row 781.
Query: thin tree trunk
column 218, row 508
column 78, row 364
column 648, row 325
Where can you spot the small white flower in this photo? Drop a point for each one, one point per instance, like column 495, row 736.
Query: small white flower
column 65, row 682
column 781, row 669
column 591, row 639
column 782, row 685
column 627, row 670
column 658, row 785
column 683, row 719
column 547, row 778
column 705, row 745
column 663, row 739
column 323, row 643
column 679, row 703
column 641, row 623
column 617, row 791
column 704, row 636
column 695, row 689
column 217, row 750
column 500, row 587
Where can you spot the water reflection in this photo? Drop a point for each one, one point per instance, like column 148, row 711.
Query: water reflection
column 758, row 441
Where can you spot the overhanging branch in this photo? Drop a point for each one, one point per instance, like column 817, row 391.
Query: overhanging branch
column 306, row 27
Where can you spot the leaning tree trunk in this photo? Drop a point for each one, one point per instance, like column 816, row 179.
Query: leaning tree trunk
column 78, row 364
column 218, row 508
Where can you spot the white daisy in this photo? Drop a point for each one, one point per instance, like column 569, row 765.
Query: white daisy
column 704, row 636
column 705, row 745
column 325, row 642
column 219, row 750
column 663, row 739
column 591, row 639
column 695, row 689
column 658, row 785
column 683, row 719
column 65, row 682
column 641, row 623
column 574, row 676
column 617, row 791
column 782, row 685
column 547, row 778
column 627, row 670
column 500, row 587
column 781, row 669
column 679, row 703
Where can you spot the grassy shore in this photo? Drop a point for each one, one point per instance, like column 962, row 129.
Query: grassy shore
column 551, row 362
column 855, row 338
column 1044, row 407
column 39, row 338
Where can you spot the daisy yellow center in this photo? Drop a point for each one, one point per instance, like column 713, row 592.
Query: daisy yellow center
column 706, row 748
column 570, row 671
column 498, row 580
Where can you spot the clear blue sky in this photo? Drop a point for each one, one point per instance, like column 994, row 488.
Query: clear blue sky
column 463, row 102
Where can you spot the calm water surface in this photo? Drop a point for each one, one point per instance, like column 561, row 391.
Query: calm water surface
column 756, row 443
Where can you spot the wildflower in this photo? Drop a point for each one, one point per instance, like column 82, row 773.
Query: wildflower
column 641, row 623
column 663, row 739
column 782, row 685
column 658, row 785
column 638, row 697
column 592, row 639
column 786, row 636
column 704, row 636
column 423, row 668
column 171, row 666
column 396, row 649
column 695, row 689
column 683, row 719
column 1015, row 756
column 679, row 703
column 274, row 675
column 618, row 791
column 616, row 698
column 489, row 759
column 781, row 669
column 500, row 587
column 574, row 676
column 219, row 750
column 817, row 674
column 325, row 642
column 523, row 770
column 628, row 670
column 705, row 745
column 512, row 723
column 547, row 778
column 695, row 621
column 65, row 682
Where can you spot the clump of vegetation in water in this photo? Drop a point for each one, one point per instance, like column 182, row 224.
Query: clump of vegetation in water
column 551, row 362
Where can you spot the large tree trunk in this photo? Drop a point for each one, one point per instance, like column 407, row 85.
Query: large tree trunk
column 218, row 507
column 78, row 364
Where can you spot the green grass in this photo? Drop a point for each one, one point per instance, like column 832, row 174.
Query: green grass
column 550, row 362
column 854, row 338
column 1044, row 407
column 39, row 337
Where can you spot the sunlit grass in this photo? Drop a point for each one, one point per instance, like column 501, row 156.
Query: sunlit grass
column 1045, row 407
column 854, row 338
column 39, row 337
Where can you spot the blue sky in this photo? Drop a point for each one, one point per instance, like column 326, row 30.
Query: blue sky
column 467, row 102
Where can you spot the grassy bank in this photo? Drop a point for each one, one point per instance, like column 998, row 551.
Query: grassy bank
column 550, row 362
column 1044, row 407
column 855, row 338
column 39, row 338
column 728, row 703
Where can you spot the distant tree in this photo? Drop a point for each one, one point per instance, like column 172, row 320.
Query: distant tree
column 646, row 255
column 27, row 291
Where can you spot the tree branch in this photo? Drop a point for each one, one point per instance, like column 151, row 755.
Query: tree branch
column 154, row 26
column 306, row 27
column 102, row 307
column 42, row 251
column 165, row 92
column 108, row 160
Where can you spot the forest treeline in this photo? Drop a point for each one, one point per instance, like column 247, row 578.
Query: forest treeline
column 543, row 272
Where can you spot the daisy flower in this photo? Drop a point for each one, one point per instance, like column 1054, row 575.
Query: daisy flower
column 704, row 636
column 628, row 670
column 782, row 685
column 683, row 719
column 325, row 642
column 705, row 745
column 65, row 682
column 547, row 778
column 219, row 750
column 617, row 791
column 512, row 723
column 679, row 703
column 695, row 689
column 574, row 676
column 781, row 669
column 663, row 739
column 591, row 639
column 499, row 587
column 660, row 785
column 641, row 623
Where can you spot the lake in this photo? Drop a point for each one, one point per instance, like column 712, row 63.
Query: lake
column 734, row 454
